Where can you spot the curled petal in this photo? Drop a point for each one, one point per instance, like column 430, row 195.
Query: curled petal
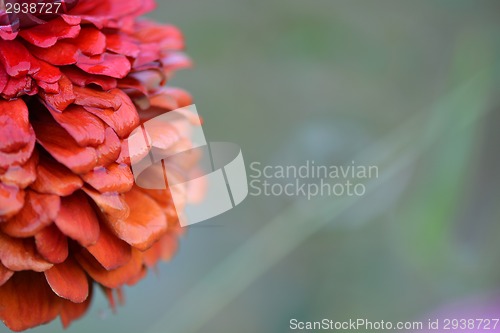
column 60, row 54
column 20, row 254
column 48, row 34
column 145, row 224
column 112, row 205
column 110, row 150
column 123, row 120
column 114, row 65
column 38, row 211
column 82, row 79
column 114, row 178
column 85, row 128
column 53, row 177
column 63, row 98
column 98, row 99
column 21, row 175
column 51, row 244
column 77, row 219
column 64, row 148
column 68, row 281
column 12, row 200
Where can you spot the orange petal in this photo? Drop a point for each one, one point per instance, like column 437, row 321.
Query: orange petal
column 77, row 219
column 169, row 244
column 145, row 224
column 64, row 148
column 15, row 126
column 68, row 281
column 20, row 254
column 53, row 177
column 123, row 120
column 52, row 244
column 71, row 311
column 110, row 251
column 27, row 301
column 98, row 99
column 114, row 178
column 11, row 200
column 5, row 274
column 39, row 211
column 84, row 127
column 113, row 278
column 21, row 175
column 110, row 150
column 112, row 205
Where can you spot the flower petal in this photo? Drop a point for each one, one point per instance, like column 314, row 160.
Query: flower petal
column 27, row 301
column 53, row 177
column 15, row 126
column 112, row 278
column 38, row 211
column 64, row 148
column 85, row 128
column 110, row 251
column 12, row 200
column 90, row 41
column 114, row 178
column 112, row 205
column 45, row 35
column 5, row 274
column 77, row 219
column 51, row 244
column 20, row 254
column 82, row 79
column 68, row 281
column 21, row 175
column 145, row 224
column 110, row 150
column 114, row 65
column 63, row 98
column 71, row 311
column 61, row 54
column 122, row 44
column 98, row 99
column 123, row 120
column 14, row 57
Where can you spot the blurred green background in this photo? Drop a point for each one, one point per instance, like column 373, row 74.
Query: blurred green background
column 409, row 86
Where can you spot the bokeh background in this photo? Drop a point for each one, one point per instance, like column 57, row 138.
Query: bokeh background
column 409, row 86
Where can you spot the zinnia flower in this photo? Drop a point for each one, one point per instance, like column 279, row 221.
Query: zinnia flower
column 73, row 86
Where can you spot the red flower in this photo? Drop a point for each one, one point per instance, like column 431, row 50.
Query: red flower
column 72, row 88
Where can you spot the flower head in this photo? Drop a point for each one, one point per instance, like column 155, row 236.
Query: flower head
column 73, row 86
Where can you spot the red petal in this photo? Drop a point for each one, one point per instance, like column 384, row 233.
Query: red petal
column 167, row 36
column 39, row 211
column 71, row 311
column 98, row 99
column 15, row 126
column 11, row 200
column 14, row 57
column 52, row 244
column 63, row 98
column 85, row 128
column 182, row 97
column 27, row 301
column 68, row 281
column 19, row 157
column 113, row 278
column 21, row 175
column 45, row 35
column 4, row 78
column 122, row 44
column 114, row 65
column 62, row 53
column 90, row 41
column 110, row 251
column 20, row 254
column 53, row 177
column 19, row 86
column 123, row 120
column 110, row 150
column 145, row 224
column 113, row 205
column 5, row 274
column 82, row 79
column 47, row 73
column 114, row 178
column 78, row 220
column 64, row 148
